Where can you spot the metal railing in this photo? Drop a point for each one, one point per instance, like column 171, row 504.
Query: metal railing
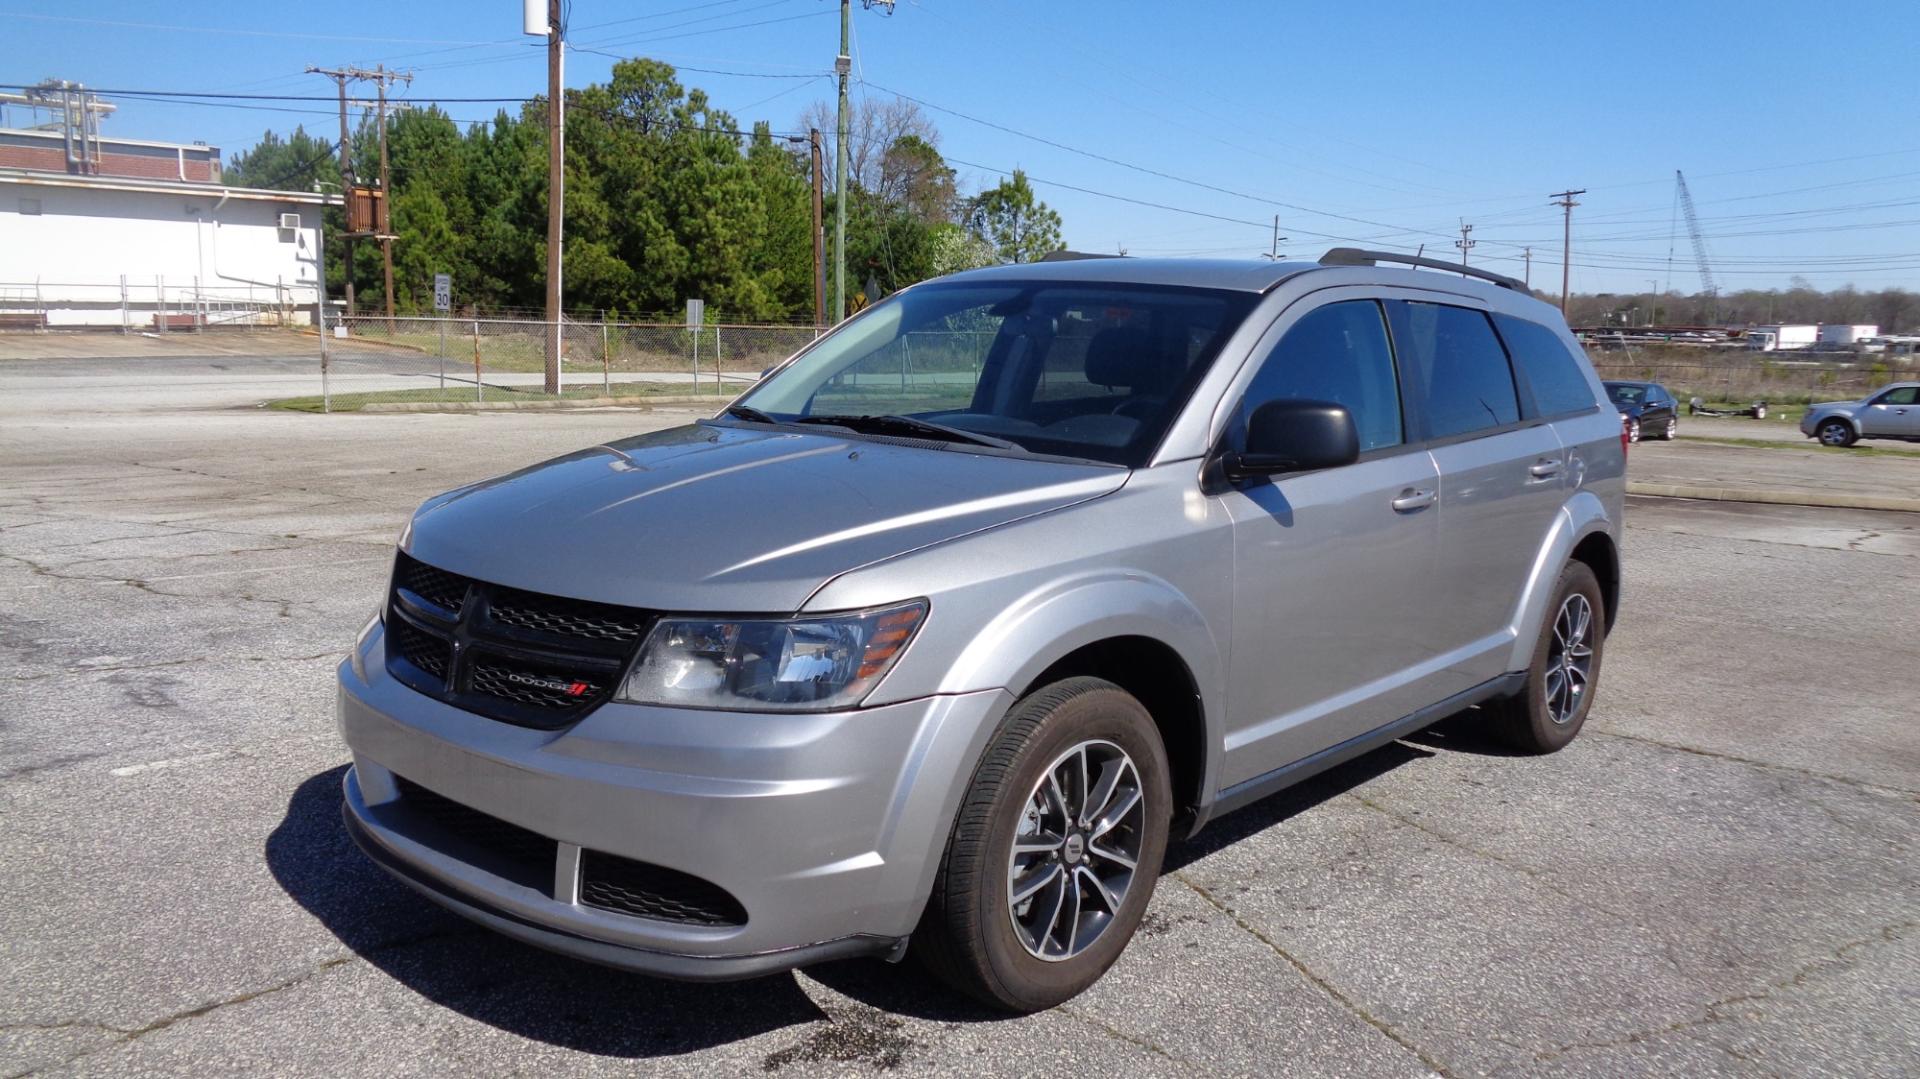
column 145, row 304
column 374, row 362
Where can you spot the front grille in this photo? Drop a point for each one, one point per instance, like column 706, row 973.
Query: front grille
column 568, row 617
column 535, row 688
column 509, row 654
column 507, row 850
column 436, row 586
column 423, row 650
column 624, row 886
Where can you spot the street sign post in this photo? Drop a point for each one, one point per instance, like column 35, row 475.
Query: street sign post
column 696, row 316
column 443, row 303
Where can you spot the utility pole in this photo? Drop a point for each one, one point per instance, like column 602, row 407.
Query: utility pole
column 1653, row 299
column 556, row 184
column 1527, row 254
column 819, row 234
column 386, row 190
column 382, row 222
column 1463, row 243
column 1274, row 252
column 346, row 180
column 843, row 66
column 1564, row 200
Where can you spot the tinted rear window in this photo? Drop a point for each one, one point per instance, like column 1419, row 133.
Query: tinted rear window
column 1551, row 371
column 1459, row 368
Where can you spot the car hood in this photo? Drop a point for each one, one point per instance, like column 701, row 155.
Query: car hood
column 730, row 519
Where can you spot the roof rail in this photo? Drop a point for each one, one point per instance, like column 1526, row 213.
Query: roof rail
column 1354, row 256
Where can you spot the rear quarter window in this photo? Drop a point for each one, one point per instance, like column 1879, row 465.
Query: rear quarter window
column 1551, row 371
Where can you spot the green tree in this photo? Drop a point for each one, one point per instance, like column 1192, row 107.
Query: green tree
column 1016, row 225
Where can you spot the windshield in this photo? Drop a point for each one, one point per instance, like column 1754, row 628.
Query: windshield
column 1077, row 370
column 1626, row 393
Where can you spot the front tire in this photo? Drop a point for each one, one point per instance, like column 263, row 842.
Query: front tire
column 1633, row 430
column 1837, row 433
column 1549, row 712
column 1055, row 851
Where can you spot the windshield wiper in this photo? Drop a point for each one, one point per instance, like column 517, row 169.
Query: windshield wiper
column 748, row 412
column 910, row 425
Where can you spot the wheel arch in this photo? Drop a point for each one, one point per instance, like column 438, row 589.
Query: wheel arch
column 1160, row 679
column 1583, row 532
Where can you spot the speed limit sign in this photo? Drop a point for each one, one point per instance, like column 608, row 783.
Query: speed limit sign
column 442, row 292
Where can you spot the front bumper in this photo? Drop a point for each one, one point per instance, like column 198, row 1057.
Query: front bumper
column 825, row 828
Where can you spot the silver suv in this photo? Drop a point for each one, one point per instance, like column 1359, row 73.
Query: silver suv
column 940, row 631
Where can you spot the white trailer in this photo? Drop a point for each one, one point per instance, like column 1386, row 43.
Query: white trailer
column 1774, row 338
column 1845, row 336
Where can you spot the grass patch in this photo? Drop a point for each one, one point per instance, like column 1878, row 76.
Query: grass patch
column 354, row 402
column 1857, row 448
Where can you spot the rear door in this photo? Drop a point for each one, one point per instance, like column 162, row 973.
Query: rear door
column 1503, row 475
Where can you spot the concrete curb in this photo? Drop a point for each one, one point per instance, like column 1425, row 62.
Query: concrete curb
column 638, row 404
column 1820, row 499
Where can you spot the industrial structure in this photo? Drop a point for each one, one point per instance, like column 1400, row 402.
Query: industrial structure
column 140, row 235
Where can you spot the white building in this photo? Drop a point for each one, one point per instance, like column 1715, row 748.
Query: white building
column 134, row 253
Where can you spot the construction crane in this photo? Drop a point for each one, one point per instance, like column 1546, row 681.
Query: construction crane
column 1699, row 241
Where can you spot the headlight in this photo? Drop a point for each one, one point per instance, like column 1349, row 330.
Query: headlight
column 791, row 665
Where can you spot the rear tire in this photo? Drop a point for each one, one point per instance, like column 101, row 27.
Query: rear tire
column 1026, row 954
column 1549, row 712
column 1672, row 430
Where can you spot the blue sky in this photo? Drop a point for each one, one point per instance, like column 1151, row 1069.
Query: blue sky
column 1381, row 123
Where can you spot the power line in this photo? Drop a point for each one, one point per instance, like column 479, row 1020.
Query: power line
column 1146, row 170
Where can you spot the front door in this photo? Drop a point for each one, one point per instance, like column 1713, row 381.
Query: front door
column 1894, row 414
column 1333, row 569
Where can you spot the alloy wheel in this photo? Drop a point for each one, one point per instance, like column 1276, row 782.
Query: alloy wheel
column 1834, row 434
column 1076, row 850
column 1633, row 431
column 1570, row 659
column 1673, row 428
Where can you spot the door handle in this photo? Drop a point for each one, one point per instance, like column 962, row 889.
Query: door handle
column 1544, row 470
column 1414, row 498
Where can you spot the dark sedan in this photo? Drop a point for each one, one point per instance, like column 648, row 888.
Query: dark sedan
column 1647, row 407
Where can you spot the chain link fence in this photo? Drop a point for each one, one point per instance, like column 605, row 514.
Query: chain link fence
column 404, row 363
column 1743, row 378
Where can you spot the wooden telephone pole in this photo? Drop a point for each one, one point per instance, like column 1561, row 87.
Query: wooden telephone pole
column 381, row 227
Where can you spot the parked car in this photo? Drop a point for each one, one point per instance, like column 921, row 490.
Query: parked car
column 1890, row 412
column 1648, row 409
column 943, row 631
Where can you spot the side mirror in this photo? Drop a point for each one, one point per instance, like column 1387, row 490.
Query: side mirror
column 1294, row 436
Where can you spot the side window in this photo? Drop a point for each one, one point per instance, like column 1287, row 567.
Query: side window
column 1458, row 368
column 1336, row 353
column 1905, row 395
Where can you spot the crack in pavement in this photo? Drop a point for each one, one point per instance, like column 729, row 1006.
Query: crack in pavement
column 82, row 668
column 1860, row 784
column 1713, row 1011
column 1432, row 1063
column 124, row 1035
column 1119, row 1035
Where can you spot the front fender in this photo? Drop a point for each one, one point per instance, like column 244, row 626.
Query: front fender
column 1044, row 626
column 1583, row 515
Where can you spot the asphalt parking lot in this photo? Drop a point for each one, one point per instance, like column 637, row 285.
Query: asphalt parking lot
column 1718, row 877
